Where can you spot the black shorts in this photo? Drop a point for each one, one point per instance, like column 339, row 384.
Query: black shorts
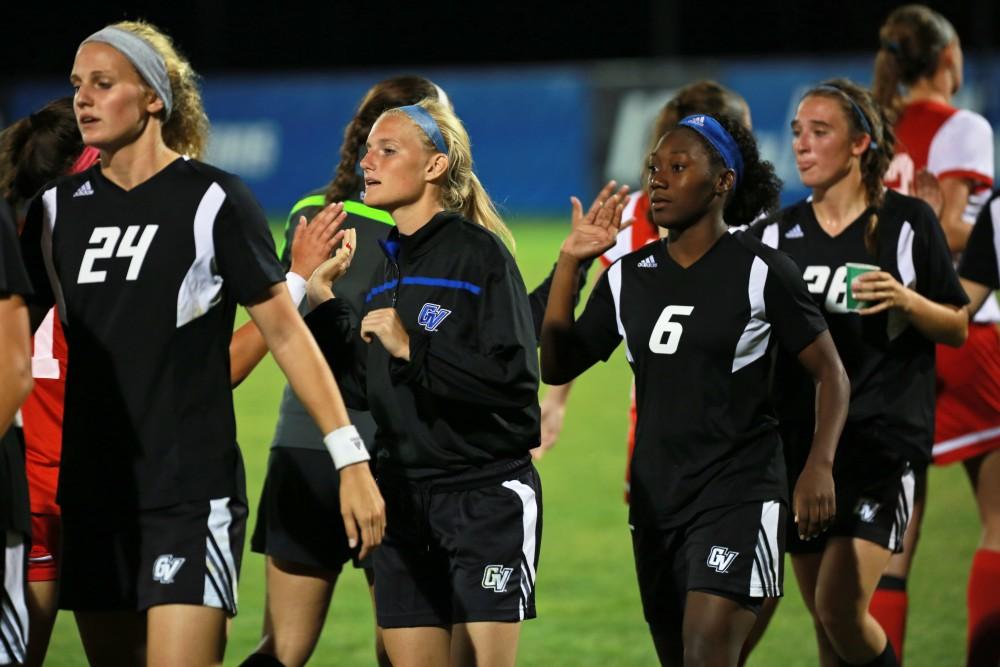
column 733, row 551
column 13, row 611
column 874, row 493
column 183, row 554
column 298, row 519
column 461, row 550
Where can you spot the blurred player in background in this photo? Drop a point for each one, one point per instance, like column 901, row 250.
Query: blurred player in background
column 918, row 70
column 15, row 383
column 34, row 151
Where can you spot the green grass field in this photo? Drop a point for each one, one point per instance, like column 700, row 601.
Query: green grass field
column 588, row 604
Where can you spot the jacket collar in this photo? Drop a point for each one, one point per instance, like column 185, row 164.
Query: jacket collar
column 396, row 245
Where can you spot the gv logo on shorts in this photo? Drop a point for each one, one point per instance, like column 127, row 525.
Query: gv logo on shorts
column 495, row 578
column 867, row 509
column 720, row 558
column 165, row 568
column 431, row 316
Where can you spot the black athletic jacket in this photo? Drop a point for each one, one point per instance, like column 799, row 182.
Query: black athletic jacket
column 468, row 397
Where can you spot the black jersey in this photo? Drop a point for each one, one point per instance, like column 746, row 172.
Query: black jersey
column 698, row 340
column 890, row 364
column 147, row 281
column 14, row 513
column 469, row 394
column 980, row 259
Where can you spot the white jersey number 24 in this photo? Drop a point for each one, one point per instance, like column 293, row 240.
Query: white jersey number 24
column 134, row 245
column 666, row 327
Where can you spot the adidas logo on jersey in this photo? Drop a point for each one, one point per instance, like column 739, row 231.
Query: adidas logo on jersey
column 794, row 233
column 84, row 190
column 648, row 263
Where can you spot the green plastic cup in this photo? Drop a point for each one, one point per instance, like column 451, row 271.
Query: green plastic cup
column 854, row 269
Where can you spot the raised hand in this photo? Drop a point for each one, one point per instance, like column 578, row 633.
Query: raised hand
column 320, row 285
column 314, row 241
column 594, row 232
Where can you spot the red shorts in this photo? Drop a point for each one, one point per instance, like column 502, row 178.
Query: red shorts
column 967, row 422
column 43, row 560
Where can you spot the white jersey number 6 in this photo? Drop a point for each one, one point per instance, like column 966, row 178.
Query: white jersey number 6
column 131, row 248
column 672, row 330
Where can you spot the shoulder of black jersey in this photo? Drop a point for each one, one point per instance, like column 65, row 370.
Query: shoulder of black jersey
column 231, row 184
column 783, row 219
column 900, row 208
column 70, row 182
column 773, row 257
column 636, row 256
column 477, row 240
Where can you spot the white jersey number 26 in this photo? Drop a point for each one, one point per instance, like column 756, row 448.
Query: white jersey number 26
column 666, row 327
column 134, row 245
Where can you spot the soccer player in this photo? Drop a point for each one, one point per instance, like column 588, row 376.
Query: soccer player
column 34, row 151
column 444, row 357
column 300, row 492
column 147, row 255
column 913, row 300
column 699, row 314
column 15, row 383
column 978, row 272
column 700, row 97
column 921, row 54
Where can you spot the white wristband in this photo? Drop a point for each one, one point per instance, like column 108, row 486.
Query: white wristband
column 296, row 287
column 345, row 446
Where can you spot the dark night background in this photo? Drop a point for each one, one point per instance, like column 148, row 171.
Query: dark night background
column 227, row 35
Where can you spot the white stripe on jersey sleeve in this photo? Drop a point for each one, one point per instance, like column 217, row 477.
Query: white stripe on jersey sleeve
column 48, row 229
column 990, row 312
column 896, row 322
column 770, row 237
column 963, row 143
column 615, row 282
column 757, row 333
column 201, row 286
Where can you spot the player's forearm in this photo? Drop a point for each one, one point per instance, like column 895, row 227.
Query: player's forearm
column 246, row 349
column 15, row 358
column 556, row 340
column 977, row 293
column 833, row 396
column 938, row 322
column 956, row 231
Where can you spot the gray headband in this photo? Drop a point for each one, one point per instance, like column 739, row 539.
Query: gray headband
column 146, row 60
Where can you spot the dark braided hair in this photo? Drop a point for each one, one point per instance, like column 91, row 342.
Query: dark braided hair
column 759, row 189
column 875, row 160
column 395, row 92
column 38, row 148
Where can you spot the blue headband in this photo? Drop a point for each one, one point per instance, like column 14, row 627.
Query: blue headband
column 862, row 118
column 720, row 139
column 426, row 122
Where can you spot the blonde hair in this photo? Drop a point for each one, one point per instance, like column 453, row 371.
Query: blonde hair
column 186, row 131
column 461, row 190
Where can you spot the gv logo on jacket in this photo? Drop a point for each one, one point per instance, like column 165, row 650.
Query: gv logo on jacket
column 431, row 316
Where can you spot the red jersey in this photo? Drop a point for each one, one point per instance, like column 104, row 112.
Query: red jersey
column 949, row 143
column 43, row 410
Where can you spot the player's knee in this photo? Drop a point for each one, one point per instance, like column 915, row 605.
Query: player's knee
column 703, row 648
column 839, row 618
